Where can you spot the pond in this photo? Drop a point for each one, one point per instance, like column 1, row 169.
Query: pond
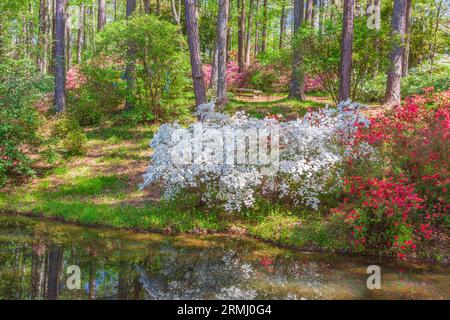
column 37, row 260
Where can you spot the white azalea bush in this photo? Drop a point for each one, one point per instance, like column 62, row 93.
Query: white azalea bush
column 231, row 161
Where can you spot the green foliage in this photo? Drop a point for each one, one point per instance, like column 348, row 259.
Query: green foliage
column 321, row 53
column 19, row 120
column 272, row 74
column 418, row 78
column 161, row 67
column 69, row 136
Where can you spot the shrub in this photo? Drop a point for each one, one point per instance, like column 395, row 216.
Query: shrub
column 19, row 87
column 407, row 200
column 305, row 170
column 69, row 137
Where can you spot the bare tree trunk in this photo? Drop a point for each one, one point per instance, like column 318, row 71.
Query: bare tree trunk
column 147, row 8
column 264, row 28
column 257, row 29
column 309, row 11
column 241, row 35
column 282, row 24
column 194, row 49
column 345, row 72
column 68, row 41
column 405, row 57
column 60, row 61
column 42, row 39
column 80, row 39
column 394, row 73
column 248, row 40
column 214, row 66
column 158, row 7
column 101, row 15
column 222, row 26
column 131, row 67
column 296, row 88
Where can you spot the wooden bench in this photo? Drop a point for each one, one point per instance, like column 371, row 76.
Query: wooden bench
column 248, row 92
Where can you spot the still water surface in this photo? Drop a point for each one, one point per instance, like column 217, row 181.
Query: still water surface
column 35, row 256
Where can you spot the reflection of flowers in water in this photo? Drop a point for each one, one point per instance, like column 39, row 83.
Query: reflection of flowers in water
column 181, row 274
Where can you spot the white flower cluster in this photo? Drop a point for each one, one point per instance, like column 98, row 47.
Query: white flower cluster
column 230, row 160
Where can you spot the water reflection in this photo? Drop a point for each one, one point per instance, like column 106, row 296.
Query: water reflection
column 34, row 256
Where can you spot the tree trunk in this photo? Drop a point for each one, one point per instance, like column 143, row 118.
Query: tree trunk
column 256, row 29
column 101, row 15
column 147, row 8
column 42, row 39
column 394, row 73
column 345, row 72
column 214, row 66
column 296, row 88
column 309, row 11
column 264, row 28
column 131, row 67
column 241, row 35
column 60, row 59
column 282, row 24
column 158, row 7
column 222, row 26
column 80, row 39
column 194, row 50
column 248, row 40
column 405, row 57
column 68, row 41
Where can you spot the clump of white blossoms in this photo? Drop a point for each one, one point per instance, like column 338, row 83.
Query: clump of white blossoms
column 231, row 160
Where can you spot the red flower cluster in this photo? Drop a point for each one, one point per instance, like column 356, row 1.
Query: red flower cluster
column 409, row 202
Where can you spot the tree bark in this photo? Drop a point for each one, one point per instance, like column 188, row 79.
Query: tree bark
column 296, row 87
column 101, row 15
column 222, row 26
column 80, row 39
column 60, row 59
column 256, row 28
column 194, row 50
column 42, row 38
column 248, row 40
column 345, row 72
column 147, row 8
column 264, row 28
column 405, row 65
column 309, row 11
column 282, row 24
column 241, row 35
column 131, row 67
column 68, row 41
column 394, row 73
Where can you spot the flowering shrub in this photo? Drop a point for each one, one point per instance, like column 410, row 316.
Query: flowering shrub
column 295, row 161
column 403, row 202
column 75, row 78
column 235, row 79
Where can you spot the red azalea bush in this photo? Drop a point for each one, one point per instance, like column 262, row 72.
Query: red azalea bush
column 404, row 197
